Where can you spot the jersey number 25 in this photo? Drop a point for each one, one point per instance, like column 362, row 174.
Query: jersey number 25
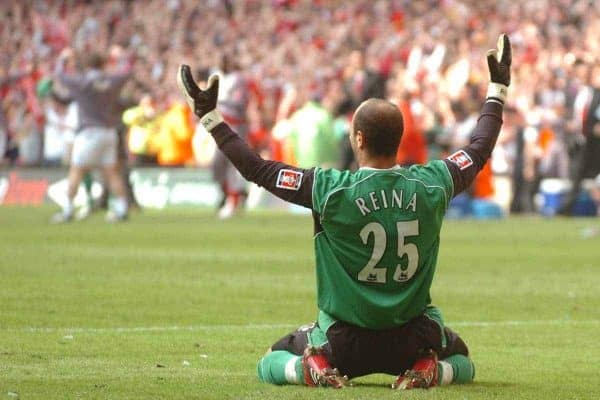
column 372, row 273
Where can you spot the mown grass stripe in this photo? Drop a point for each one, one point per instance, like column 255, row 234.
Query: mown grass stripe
column 278, row 326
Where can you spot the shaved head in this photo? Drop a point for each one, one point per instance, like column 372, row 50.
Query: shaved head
column 381, row 125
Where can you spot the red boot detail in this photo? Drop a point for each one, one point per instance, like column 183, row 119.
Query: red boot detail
column 318, row 371
column 423, row 374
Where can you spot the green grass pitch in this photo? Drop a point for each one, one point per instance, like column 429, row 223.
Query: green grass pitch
column 178, row 305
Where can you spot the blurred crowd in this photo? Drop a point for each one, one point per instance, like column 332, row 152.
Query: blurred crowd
column 299, row 68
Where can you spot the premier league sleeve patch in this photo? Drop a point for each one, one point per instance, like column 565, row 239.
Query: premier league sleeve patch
column 461, row 159
column 289, row 179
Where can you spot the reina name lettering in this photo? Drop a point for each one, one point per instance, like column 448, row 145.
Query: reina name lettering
column 375, row 201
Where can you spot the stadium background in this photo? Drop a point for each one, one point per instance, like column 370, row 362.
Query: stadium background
column 173, row 304
column 306, row 65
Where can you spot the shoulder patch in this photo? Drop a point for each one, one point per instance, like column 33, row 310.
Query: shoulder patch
column 289, row 179
column 461, row 159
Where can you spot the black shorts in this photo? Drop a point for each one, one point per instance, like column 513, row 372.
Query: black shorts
column 357, row 351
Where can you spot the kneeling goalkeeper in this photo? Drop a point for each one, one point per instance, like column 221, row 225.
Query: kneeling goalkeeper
column 377, row 235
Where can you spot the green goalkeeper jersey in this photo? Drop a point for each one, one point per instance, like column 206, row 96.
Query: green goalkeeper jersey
column 377, row 250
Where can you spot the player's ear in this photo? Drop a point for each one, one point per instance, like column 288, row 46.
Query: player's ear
column 360, row 140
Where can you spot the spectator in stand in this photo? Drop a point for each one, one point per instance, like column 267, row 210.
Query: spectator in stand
column 589, row 162
column 311, row 133
column 143, row 123
column 175, row 130
column 360, row 82
column 3, row 136
column 518, row 147
column 3, row 120
column 18, row 123
column 283, row 47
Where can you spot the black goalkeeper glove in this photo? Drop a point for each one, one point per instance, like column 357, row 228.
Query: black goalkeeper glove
column 202, row 102
column 499, row 61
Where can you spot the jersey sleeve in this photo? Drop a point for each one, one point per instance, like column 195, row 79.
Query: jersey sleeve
column 465, row 164
column 436, row 173
column 118, row 80
column 69, row 85
column 285, row 181
column 67, row 82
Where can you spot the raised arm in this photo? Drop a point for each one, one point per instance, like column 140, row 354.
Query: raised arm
column 68, row 84
column 284, row 181
column 465, row 164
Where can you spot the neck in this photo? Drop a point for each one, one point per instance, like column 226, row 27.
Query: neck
column 378, row 162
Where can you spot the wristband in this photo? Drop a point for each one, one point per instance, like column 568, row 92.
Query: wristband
column 497, row 92
column 210, row 120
